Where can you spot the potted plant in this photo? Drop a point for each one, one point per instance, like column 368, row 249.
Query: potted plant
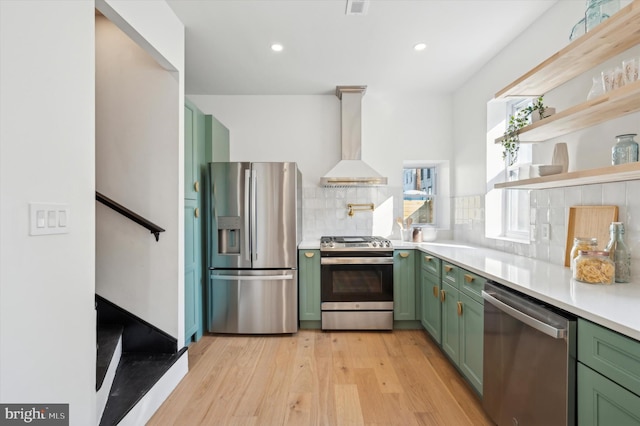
column 522, row 118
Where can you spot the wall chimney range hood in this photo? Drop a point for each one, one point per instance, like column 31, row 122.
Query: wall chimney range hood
column 351, row 171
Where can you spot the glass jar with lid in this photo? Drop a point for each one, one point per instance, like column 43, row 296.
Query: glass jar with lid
column 625, row 150
column 582, row 243
column 594, row 267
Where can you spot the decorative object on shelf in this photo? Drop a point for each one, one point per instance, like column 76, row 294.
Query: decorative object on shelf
column 596, row 12
column 511, row 141
column 630, row 68
column 625, row 150
column 561, row 156
column 578, row 29
column 546, row 169
column 597, row 88
column 619, row 253
column 599, row 10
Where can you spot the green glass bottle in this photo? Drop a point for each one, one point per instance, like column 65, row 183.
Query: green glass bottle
column 619, row 252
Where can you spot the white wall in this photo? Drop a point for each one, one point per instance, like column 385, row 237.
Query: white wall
column 47, row 316
column 47, row 154
column 139, row 163
column 306, row 129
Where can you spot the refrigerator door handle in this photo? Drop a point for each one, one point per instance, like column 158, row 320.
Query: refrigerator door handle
column 247, row 240
column 254, row 214
column 252, row 277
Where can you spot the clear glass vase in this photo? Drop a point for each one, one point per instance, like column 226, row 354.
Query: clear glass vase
column 625, row 150
column 599, row 10
column 597, row 88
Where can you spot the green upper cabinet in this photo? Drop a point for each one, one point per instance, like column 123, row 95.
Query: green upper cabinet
column 218, row 134
column 404, row 285
column 309, row 284
column 193, row 130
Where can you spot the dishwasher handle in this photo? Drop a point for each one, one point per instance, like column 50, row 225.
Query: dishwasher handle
column 549, row 330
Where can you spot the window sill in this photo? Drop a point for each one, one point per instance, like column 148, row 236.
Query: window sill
column 510, row 239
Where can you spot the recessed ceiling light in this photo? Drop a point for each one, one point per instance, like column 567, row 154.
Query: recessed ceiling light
column 277, row 47
column 420, row 46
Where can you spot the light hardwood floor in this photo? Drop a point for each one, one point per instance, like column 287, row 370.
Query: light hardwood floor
column 321, row 378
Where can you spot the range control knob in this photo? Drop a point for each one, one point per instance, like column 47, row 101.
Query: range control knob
column 375, row 244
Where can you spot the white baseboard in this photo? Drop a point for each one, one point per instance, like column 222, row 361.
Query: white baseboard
column 103, row 393
column 147, row 406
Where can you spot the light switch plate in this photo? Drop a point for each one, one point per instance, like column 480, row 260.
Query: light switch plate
column 48, row 218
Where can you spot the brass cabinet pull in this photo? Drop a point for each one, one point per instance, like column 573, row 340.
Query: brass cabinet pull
column 404, row 254
column 428, row 258
column 435, row 291
column 448, row 268
column 196, row 212
column 459, row 308
column 309, row 254
column 196, row 186
column 468, row 278
column 442, row 295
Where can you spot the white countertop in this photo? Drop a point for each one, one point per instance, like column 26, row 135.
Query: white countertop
column 613, row 306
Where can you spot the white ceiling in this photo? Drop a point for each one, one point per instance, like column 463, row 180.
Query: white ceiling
column 228, row 43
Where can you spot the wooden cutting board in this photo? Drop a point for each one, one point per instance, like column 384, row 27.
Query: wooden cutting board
column 588, row 222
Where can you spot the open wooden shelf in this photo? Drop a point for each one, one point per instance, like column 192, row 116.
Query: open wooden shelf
column 616, row 103
column 612, row 37
column 608, row 174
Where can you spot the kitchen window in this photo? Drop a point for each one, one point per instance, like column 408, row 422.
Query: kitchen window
column 516, row 211
column 507, row 212
column 418, row 194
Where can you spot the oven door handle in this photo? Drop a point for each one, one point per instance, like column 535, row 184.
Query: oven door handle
column 549, row 330
column 356, row 261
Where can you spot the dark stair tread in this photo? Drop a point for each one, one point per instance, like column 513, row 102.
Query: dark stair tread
column 107, row 337
column 137, row 373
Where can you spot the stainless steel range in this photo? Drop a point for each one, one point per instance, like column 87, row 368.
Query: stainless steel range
column 356, row 283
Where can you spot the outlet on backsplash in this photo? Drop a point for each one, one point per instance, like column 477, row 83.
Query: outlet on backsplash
column 545, row 232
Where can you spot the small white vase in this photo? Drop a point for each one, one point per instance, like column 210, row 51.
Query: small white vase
column 561, row 156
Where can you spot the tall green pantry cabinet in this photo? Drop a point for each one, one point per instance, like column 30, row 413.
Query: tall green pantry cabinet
column 205, row 140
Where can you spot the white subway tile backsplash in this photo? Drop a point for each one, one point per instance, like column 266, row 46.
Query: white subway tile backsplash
column 572, row 197
column 592, row 195
column 542, row 199
column 552, row 207
column 556, row 197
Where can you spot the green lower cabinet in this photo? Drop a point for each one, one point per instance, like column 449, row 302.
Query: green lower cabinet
column 309, row 284
column 463, row 333
column 602, row 402
column 404, row 285
column 450, row 322
column 431, row 307
column 471, row 340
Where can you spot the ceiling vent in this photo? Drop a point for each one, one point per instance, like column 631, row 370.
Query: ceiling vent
column 357, row 7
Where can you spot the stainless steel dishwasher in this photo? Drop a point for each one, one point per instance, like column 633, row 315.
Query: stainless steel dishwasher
column 529, row 360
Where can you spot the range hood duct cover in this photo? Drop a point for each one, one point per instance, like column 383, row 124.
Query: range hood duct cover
column 352, row 171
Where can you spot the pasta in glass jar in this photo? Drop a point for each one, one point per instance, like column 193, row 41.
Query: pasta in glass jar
column 581, row 243
column 594, row 267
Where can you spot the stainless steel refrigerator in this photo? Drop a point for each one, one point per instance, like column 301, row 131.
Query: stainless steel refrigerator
column 254, row 228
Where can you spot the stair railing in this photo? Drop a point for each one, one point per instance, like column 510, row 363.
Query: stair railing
column 155, row 229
